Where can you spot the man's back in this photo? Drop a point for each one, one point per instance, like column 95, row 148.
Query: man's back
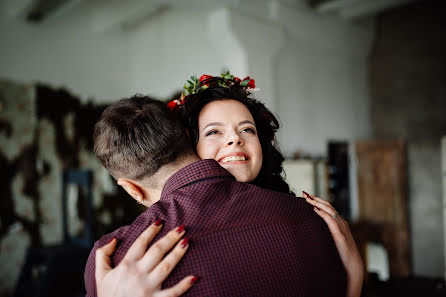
column 244, row 240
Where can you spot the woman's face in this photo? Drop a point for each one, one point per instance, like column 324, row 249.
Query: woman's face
column 228, row 134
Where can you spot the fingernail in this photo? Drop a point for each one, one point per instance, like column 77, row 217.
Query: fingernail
column 194, row 279
column 158, row 222
column 308, row 195
column 180, row 229
column 110, row 240
column 184, row 242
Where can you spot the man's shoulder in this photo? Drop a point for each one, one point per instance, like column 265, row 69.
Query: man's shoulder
column 259, row 201
column 118, row 234
column 262, row 194
column 131, row 231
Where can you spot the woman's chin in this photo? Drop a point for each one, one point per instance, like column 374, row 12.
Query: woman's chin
column 241, row 172
column 242, row 178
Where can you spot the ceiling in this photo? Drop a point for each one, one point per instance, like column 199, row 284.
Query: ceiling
column 356, row 9
column 37, row 11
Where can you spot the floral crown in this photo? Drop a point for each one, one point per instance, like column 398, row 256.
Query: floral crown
column 195, row 85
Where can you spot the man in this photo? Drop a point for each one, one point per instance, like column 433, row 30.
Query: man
column 245, row 240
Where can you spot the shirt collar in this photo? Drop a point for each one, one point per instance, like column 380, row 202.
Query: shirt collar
column 194, row 172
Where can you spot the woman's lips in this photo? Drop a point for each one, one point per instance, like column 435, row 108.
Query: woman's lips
column 235, row 157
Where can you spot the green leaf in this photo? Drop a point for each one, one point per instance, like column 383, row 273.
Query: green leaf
column 245, row 82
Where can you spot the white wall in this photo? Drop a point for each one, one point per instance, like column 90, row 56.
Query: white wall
column 66, row 52
column 322, row 82
column 182, row 43
column 321, row 97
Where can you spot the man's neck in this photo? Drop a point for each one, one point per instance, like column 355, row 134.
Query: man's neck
column 158, row 180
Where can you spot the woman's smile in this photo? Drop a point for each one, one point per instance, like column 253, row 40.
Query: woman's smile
column 227, row 133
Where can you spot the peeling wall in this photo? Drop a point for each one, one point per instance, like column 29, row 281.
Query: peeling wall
column 44, row 131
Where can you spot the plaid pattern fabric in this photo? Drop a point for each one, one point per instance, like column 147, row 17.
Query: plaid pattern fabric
column 244, row 240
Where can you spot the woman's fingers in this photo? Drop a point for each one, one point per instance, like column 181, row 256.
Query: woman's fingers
column 329, row 215
column 179, row 289
column 312, row 197
column 333, row 224
column 165, row 267
column 325, row 207
column 157, row 251
column 117, row 281
column 103, row 262
column 139, row 247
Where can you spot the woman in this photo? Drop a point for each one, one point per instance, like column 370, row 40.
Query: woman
column 239, row 132
column 210, row 116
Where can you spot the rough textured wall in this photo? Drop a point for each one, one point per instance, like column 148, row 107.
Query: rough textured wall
column 408, row 86
column 42, row 132
column 18, row 215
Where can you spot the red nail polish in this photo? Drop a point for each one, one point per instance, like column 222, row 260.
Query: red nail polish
column 308, row 195
column 180, row 229
column 110, row 240
column 194, row 279
column 184, row 242
column 158, row 222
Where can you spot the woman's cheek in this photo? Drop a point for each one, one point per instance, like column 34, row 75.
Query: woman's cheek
column 206, row 149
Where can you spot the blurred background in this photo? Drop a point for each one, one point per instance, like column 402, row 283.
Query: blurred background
column 359, row 87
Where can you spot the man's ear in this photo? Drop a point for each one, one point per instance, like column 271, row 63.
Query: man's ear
column 132, row 189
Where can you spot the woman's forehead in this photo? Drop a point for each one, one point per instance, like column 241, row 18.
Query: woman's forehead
column 225, row 110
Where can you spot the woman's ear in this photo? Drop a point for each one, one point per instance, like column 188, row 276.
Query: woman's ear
column 132, row 189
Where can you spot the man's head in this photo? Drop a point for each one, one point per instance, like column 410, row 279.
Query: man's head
column 135, row 137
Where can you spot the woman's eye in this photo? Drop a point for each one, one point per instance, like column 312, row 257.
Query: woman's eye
column 249, row 130
column 212, row 132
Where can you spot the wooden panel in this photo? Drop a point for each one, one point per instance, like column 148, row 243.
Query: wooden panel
column 382, row 195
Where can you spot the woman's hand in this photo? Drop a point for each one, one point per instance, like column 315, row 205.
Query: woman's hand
column 141, row 272
column 344, row 241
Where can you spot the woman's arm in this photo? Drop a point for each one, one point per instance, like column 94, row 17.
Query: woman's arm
column 344, row 241
column 142, row 271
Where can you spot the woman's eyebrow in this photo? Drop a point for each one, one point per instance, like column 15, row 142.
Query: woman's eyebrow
column 213, row 124
column 246, row 122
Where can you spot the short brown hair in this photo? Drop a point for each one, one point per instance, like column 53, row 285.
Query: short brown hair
column 136, row 136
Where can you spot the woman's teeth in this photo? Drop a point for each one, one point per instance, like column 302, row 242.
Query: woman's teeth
column 233, row 158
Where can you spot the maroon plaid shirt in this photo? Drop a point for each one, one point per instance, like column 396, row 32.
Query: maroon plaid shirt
column 244, row 240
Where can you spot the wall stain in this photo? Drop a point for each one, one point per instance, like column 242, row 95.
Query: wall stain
column 54, row 105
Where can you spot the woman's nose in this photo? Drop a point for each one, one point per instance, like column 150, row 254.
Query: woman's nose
column 235, row 139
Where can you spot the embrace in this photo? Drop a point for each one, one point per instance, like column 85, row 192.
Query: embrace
column 207, row 164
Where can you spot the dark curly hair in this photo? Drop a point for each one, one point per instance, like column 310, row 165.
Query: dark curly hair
column 270, row 176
